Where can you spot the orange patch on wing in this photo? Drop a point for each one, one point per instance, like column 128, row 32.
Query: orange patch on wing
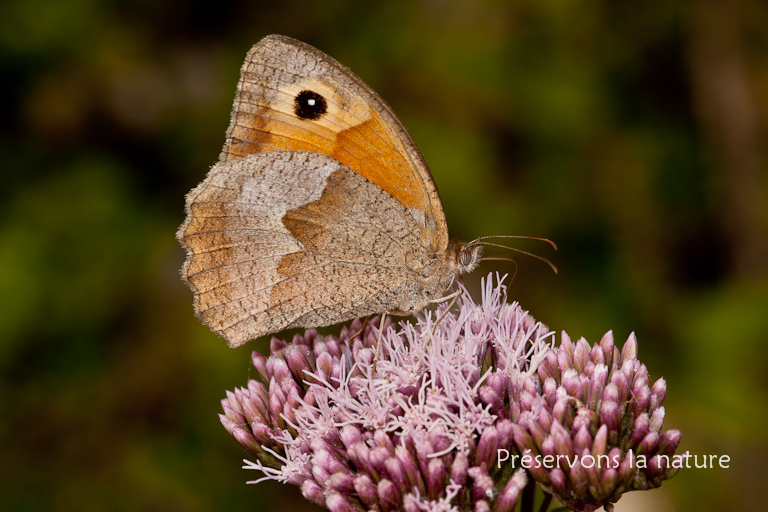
column 309, row 223
column 292, row 264
column 368, row 148
column 362, row 149
column 247, row 137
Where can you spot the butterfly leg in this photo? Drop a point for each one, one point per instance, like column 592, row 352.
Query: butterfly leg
column 378, row 341
column 360, row 331
column 453, row 297
column 381, row 332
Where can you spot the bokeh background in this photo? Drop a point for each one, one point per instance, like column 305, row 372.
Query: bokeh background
column 633, row 134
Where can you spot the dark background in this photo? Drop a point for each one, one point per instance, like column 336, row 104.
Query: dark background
column 631, row 133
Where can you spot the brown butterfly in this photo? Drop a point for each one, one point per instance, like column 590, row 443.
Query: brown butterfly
column 321, row 208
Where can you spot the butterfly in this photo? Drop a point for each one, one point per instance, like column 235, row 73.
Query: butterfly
column 320, row 209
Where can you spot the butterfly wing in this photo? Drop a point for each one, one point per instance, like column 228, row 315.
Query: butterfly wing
column 321, row 207
column 293, row 239
column 357, row 128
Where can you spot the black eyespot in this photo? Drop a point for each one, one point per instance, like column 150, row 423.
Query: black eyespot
column 310, row 105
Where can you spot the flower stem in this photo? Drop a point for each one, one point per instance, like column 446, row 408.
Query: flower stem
column 545, row 502
column 527, row 499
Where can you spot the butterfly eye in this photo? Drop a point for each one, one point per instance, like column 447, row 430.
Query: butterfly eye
column 310, row 105
column 465, row 258
column 469, row 257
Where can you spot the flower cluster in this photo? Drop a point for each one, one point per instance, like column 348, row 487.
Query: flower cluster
column 598, row 415
column 457, row 414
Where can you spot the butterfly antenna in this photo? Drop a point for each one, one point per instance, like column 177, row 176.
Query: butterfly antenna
column 541, row 258
column 540, row 239
column 499, row 258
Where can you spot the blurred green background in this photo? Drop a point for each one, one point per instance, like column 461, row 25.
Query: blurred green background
column 634, row 134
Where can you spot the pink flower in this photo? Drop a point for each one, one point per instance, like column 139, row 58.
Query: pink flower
column 427, row 429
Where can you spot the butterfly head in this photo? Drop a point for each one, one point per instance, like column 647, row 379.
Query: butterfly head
column 465, row 256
